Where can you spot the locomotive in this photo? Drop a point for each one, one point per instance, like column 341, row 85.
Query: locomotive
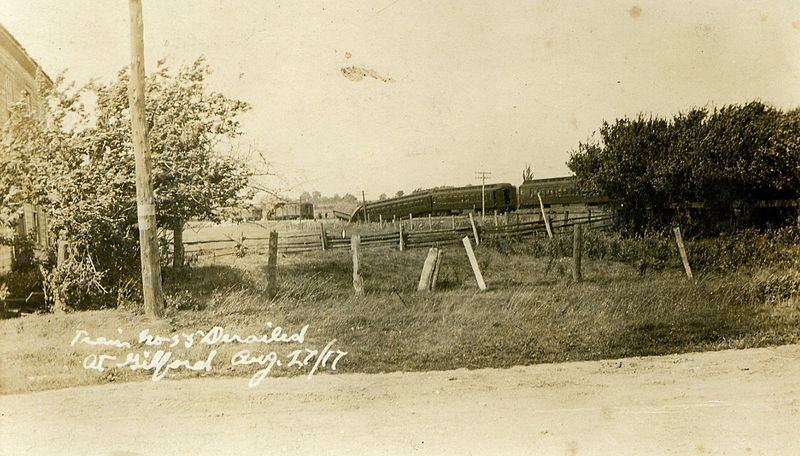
column 558, row 192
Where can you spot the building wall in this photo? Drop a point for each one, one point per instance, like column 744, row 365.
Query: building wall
column 18, row 72
column 17, row 76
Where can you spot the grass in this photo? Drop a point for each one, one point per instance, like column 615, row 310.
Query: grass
column 533, row 313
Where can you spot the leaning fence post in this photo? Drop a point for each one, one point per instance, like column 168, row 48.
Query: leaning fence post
column 436, row 269
column 682, row 250
column 545, row 217
column 474, row 263
column 272, row 263
column 428, row 269
column 358, row 281
column 474, row 229
column 577, row 247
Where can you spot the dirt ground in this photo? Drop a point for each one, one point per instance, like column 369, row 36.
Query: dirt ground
column 730, row 402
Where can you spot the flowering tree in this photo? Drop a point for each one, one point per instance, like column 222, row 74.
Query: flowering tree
column 79, row 163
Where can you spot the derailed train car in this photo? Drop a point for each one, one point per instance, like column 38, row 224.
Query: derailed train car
column 441, row 201
column 557, row 192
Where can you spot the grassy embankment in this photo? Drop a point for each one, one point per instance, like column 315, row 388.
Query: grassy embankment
column 745, row 295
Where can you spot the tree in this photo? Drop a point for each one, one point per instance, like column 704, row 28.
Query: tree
column 651, row 167
column 382, row 196
column 186, row 123
column 399, row 194
column 79, row 164
column 527, row 173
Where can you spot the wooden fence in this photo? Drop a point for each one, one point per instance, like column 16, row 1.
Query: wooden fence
column 415, row 233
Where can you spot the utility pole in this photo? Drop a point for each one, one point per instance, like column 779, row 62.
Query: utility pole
column 364, row 201
column 482, row 175
column 145, row 204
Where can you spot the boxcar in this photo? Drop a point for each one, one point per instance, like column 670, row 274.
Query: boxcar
column 292, row 211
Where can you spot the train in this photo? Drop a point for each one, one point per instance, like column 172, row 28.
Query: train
column 561, row 192
column 291, row 211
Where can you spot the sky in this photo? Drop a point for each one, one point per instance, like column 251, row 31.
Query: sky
column 439, row 89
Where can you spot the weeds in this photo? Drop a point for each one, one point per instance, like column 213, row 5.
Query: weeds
column 532, row 313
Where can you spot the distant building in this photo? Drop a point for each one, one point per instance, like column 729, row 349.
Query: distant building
column 18, row 73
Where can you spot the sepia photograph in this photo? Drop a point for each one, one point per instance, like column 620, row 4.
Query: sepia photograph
column 399, row 227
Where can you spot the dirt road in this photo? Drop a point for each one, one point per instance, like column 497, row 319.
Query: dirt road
column 731, row 402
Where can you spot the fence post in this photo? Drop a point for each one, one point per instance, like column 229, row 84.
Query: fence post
column 474, row 230
column 453, row 221
column 430, row 222
column 474, row 263
column 682, row 250
column 577, row 248
column 436, row 269
column 410, row 222
column 358, row 281
column 495, row 218
column 428, row 268
column 272, row 265
column 544, row 216
column 380, row 220
column 61, row 257
column 402, row 241
column 323, row 239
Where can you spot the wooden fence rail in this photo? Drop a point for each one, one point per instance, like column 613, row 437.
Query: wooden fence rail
column 312, row 241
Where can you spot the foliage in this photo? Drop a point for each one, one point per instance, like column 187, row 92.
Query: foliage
column 527, row 173
column 78, row 162
column 778, row 248
column 651, row 167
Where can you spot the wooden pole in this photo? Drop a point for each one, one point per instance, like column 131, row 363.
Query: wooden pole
column 577, row 248
column 178, row 252
column 380, row 220
column 322, row 237
column 474, row 263
column 453, row 222
column 436, row 269
column 430, row 222
column 682, row 250
column 474, row 229
column 402, row 241
column 545, row 217
column 272, row 265
column 364, row 201
column 495, row 218
column 145, row 203
column 61, row 257
column 410, row 222
column 428, row 268
column 358, row 281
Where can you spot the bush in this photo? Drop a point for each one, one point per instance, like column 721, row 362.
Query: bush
column 776, row 249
